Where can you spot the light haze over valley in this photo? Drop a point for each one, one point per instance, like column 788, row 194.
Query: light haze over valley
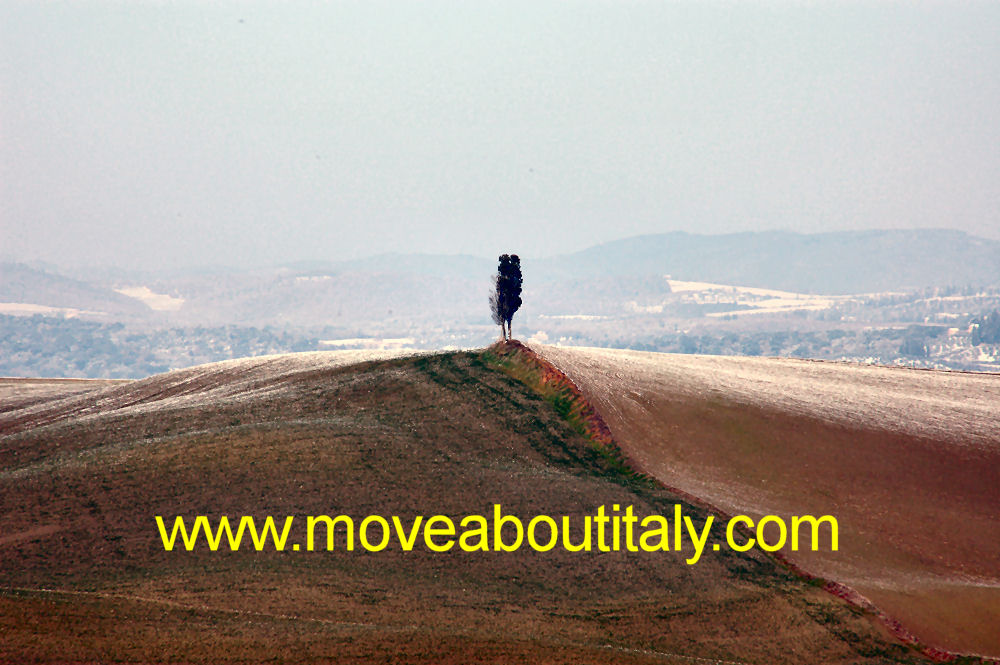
column 188, row 182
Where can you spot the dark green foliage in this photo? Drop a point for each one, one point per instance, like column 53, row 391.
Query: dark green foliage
column 505, row 299
column 913, row 346
column 987, row 329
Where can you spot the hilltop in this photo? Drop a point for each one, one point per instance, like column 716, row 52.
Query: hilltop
column 85, row 469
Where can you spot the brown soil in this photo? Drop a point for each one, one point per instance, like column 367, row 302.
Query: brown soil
column 907, row 461
column 19, row 393
column 85, row 579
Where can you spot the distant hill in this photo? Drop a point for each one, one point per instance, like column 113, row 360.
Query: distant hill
column 829, row 263
column 398, row 289
column 20, row 283
column 406, row 288
column 439, row 265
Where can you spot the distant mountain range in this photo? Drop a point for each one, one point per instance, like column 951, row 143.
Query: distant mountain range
column 453, row 288
column 843, row 262
column 828, row 263
column 774, row 293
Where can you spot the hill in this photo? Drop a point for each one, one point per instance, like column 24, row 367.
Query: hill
column 906, row 460
column 87, row 579
column 827, row 263
column 398, row 290
column 911, row 297
column 46, row 292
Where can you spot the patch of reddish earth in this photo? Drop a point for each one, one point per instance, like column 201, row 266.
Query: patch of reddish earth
column 908, row 461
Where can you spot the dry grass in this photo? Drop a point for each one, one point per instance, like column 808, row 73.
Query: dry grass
column 83, row 477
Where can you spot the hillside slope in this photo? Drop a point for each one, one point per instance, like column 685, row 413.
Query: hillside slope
column 906, row 460
column 21, row 284
column 85, row 577
column 830, row 263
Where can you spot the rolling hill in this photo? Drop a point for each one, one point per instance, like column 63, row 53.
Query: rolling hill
column 906, row 460
column 22, row 287
column 395, row 289
column 84, row 577
column 827, row 263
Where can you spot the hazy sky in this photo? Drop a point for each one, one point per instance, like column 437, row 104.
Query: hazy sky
column 176, row 133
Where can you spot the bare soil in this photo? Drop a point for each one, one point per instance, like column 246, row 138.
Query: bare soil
column 908, row 461
column 85, row 578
